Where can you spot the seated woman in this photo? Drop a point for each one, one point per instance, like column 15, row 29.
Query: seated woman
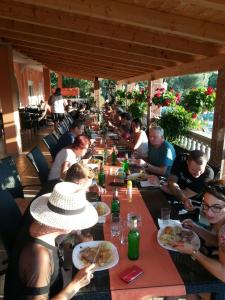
column 34, row 271
column 139, row 139
column 68, row 156
column 213, row 207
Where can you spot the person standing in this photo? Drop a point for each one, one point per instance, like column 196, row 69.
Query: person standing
column 57, row 106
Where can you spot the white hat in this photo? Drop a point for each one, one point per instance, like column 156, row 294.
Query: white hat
column 65, row 208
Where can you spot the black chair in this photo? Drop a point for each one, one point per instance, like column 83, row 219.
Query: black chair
column 51, row 143
column 10, row 223
column 40, row 164
column 9, row 177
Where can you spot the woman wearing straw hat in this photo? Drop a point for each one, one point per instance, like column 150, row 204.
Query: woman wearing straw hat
column 34, row 268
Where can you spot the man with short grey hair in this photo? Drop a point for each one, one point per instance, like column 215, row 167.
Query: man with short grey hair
column 161, row 153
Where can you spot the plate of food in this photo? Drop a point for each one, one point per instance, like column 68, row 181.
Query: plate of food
column 102, row 208
column 168, row 235
column 103, row 253
column 138, row 176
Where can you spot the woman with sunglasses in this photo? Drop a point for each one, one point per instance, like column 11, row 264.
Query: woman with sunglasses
column 213, row 208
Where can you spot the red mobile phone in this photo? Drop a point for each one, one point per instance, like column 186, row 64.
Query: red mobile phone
column 131, row 274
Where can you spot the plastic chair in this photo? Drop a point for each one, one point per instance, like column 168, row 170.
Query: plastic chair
column 9, row 177
column 40, row 164
column 50, row 142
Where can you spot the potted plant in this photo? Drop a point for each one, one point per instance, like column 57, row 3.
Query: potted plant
column 176, row 121
column 199, row 100
column 164, row 97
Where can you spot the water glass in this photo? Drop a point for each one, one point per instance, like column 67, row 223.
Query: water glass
column 129, row 217
column 123, row 232
column 165, row 214
column 115, row 225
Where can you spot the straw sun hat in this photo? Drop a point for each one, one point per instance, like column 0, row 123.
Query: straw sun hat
column 65, row 208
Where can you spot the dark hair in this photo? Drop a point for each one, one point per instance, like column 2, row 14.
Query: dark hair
column 197, row 156
column 80, row 142
column 76, row 172
column 58, row 92
column 125, row 128
column 77, row 123
column 126, row 115
column 216, row 188
column 137, row 122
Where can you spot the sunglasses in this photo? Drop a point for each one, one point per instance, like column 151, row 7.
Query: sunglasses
column 214, row 208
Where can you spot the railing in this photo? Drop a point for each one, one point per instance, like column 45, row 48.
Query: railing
column 196, row 141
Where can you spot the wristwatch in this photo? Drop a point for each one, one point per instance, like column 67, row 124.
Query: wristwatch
column 194, row 253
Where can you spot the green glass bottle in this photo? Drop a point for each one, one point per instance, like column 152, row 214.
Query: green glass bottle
column 125, row 165
column 101, row 176
column 115, row 204
column 114, row 156
column 133, row 240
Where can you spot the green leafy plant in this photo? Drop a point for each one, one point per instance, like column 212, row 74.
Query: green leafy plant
column 137, row 109
column 164, row 97
column 176, row 121
column 199, row 100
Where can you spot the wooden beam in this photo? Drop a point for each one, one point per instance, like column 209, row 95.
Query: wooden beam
column 214, row 4
column 204, row 65
column 73, row 48
column 117, row 31
column 45, row 48
column 78, row 60
column 98, row 43
column 138, row 16
column 63, row 69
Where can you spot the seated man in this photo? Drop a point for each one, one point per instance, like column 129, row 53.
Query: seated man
column 161, row 153
column 188, row 178
column 68, row 137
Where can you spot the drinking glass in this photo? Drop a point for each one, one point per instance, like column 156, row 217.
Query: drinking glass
column 123, row 232
column 165, row 214
column 115, row 225
column 129, row 217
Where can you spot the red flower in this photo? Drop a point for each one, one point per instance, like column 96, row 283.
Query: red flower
column 209, row 91
column 194, row 116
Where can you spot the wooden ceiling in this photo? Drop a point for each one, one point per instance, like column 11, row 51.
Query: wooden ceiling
column 125, row 40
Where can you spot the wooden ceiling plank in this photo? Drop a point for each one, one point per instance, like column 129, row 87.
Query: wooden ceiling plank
column 138, row 16
column 48, row 53
column 58, row 19
column 205, row 65
column 63, row 36
column 76, row 49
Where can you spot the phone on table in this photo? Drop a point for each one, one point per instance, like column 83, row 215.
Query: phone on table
column 131, row 273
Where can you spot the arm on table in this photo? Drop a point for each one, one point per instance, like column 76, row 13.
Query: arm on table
column 182, row 195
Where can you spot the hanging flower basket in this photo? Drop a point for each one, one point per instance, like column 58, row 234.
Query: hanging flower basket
column 199, row 100
column 164, row 97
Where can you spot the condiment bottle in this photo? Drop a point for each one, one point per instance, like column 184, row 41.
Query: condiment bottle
column 101, row 176
column 115, row 204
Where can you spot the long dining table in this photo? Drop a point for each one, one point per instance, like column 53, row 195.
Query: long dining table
column 165, row 273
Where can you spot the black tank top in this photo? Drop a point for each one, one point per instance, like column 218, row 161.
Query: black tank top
column 14, row 287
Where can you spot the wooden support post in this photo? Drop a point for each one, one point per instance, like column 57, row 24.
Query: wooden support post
column 96, row 93
column 47, row 84
column 218, row 133
column 149, row 101
column 9, row 101
column 59, row 81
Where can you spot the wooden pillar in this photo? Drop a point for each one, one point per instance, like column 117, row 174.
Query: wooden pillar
column 149, row 100
column 9, row 102
column 47, row 84
column 218, row 132
column 96, row 93
column 59, row 80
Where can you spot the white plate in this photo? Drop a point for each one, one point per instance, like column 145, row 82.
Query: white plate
column 135, row 176
column 104, row 205
column 78, row 262
column 195, row 241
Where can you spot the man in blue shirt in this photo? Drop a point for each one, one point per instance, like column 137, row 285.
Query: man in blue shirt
column 161, row 153
column 68, row 137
